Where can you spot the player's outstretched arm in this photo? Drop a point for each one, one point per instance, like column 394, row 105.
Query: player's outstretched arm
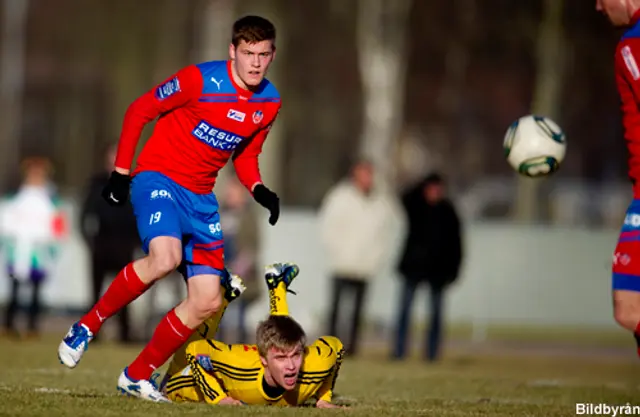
column 209, row 386
column 330, row 353
column 627, row 67
column 174, row 92
column 245, row 162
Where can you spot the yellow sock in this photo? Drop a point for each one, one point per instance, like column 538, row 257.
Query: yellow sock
column 278, row 300
column 206, row 330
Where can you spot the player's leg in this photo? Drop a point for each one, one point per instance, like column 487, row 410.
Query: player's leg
column 279, row 276
column 159, row 226
column 626, row 307
column 204, row 266
column 232, row 287
column 203, row 300
column 626, row 274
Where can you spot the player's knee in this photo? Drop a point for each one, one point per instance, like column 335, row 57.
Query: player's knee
column 205, row 305
column 626, row 311
column 626, row 317
column 164, row 266
column 164, row 257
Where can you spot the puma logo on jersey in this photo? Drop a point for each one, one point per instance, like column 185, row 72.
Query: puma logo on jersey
column 216, row 82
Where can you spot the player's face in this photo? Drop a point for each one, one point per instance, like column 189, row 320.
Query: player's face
column 619, row 12
column 251, row 61
column 284, row 365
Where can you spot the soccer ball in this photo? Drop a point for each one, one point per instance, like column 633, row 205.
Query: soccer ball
column 535, row 146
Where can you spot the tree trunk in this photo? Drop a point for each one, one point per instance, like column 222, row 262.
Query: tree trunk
column 459, row 131
column 14, row 14
column 383, row 61
column 546, row 101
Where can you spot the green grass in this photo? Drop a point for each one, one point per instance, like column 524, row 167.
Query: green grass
column 463, row 384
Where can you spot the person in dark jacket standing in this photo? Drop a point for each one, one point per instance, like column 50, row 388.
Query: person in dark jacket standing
column 432, row 255
column 111, row 235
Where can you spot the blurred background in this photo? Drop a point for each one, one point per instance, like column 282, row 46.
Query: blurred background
column 412, row 87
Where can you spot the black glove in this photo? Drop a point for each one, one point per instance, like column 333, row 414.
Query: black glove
column 269, row 200
column 116, row 192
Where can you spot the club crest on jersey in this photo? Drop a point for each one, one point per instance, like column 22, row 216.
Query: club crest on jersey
column 205, row 362
column 168, row 89
column 215, row 137
column 257, row 117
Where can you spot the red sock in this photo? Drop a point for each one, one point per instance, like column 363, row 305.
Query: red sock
column 170, row 334
column 122, row 291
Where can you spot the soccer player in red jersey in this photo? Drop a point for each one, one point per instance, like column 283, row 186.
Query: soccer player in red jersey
column 206, row 114
column 626, row 259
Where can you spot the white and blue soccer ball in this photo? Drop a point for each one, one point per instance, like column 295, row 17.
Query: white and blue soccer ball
column 535, row 146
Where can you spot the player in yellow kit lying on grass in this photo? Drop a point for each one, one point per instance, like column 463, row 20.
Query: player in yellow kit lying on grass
column 279, row 370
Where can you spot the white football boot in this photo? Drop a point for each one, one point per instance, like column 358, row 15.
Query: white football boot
column 142, row 389
column 74, row 344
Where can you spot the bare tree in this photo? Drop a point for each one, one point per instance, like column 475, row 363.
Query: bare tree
column 551, row 54
column 459, row 131
column 14, row 14
column 382, row 59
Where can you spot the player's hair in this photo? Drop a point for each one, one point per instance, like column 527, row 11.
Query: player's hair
column 280, row 332
column 252, row 29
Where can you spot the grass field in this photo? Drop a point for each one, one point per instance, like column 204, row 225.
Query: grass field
column 487, row 383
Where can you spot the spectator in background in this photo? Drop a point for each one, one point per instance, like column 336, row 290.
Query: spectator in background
column 355, row 223
column 111, row 236
column 432, row 254
column 32, row 227
column 241, row 245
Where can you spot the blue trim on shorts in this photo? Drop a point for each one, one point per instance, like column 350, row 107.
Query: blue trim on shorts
column 626, row 282
column 191, row 270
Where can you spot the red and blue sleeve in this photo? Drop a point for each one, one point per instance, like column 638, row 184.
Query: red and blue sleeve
column 174, row 92
column 628, row 82
column 245, row 159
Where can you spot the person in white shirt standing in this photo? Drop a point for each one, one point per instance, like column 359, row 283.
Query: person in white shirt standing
column 31, row 228
column 356, row 220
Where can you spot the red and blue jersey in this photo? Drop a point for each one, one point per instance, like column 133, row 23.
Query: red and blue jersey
column 204, row 119
column 628, row 81
column 626, row 259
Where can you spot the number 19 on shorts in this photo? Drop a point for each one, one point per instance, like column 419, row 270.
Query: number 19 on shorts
column 155, row 217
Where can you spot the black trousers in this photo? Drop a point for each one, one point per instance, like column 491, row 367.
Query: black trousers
column 344, row 286
column 99, row 271
column 34, row 306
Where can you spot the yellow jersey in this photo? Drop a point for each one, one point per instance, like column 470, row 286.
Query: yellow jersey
column 216, row 370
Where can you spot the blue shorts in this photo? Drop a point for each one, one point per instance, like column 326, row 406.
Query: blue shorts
column 164, row 208
column 626, row 258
